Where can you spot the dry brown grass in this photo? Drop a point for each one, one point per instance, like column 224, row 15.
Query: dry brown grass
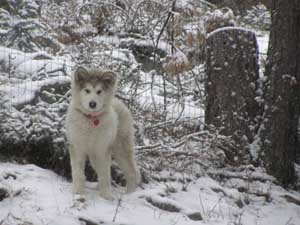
column 176, row 64
column 219, row 18
column 195, row 39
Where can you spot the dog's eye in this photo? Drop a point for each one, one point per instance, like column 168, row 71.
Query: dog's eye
column 87, row 91
column 99, row 92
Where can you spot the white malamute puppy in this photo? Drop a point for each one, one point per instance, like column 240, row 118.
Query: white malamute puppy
column 99, row 126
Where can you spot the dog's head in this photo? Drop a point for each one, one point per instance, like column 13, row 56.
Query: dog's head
column 93, row 88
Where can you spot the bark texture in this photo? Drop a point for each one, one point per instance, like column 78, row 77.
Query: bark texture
column 231, row 86
column 283, row 71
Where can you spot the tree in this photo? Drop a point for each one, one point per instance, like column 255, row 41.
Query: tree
column 231, row 86
column 283, row 100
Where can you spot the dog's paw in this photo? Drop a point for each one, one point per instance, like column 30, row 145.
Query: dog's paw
column 107, row 195
column 79, row 198
column 79, row 202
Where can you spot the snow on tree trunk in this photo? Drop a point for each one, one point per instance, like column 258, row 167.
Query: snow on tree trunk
column 283, row 97
column 231, row 85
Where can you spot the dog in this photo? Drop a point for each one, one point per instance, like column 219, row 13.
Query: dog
column 99, row 126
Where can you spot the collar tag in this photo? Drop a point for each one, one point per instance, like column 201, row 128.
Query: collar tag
column 96, row 122
column 93, row 117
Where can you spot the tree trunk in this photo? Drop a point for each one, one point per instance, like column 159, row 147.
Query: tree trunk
column 232, row 74
column 283, row 70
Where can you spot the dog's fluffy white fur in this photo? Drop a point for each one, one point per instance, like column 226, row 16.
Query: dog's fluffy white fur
column 99, row 126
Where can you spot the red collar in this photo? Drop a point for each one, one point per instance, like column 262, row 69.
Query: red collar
column 94, row 117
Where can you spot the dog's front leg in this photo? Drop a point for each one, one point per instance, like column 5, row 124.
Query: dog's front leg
column 104, row 176
column 77, row 165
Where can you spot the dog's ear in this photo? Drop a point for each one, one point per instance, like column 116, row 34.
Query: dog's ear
column 80, row 74
column 109, row 79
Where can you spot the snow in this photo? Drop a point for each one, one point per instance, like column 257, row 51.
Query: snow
column 254, row 148
column 115, row 40
column 27, row 64
column 229, row 28
column 29, row 67
column 263, row 42
column 16, row 57
column 123, row 56
column 262, row 37
column 185, row 108
column 19, row 93
column 39, row 196
column 30, row 72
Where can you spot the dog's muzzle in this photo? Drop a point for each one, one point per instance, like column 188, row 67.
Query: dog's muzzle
column 92, row 104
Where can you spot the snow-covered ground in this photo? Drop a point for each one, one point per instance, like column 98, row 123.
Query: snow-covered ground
column 29, row 72
column 38, row 196
column 30, row 195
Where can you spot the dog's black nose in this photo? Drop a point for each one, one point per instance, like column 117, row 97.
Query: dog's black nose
column 92, row 104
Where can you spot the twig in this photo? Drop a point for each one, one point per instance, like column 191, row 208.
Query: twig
column 243, row 176
column 162, row 124
column 181, row 142
column 147, row 147
column 186, row 138
column 164, row 25
column 117, row 209
column 87, row 221
column 170, row 13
